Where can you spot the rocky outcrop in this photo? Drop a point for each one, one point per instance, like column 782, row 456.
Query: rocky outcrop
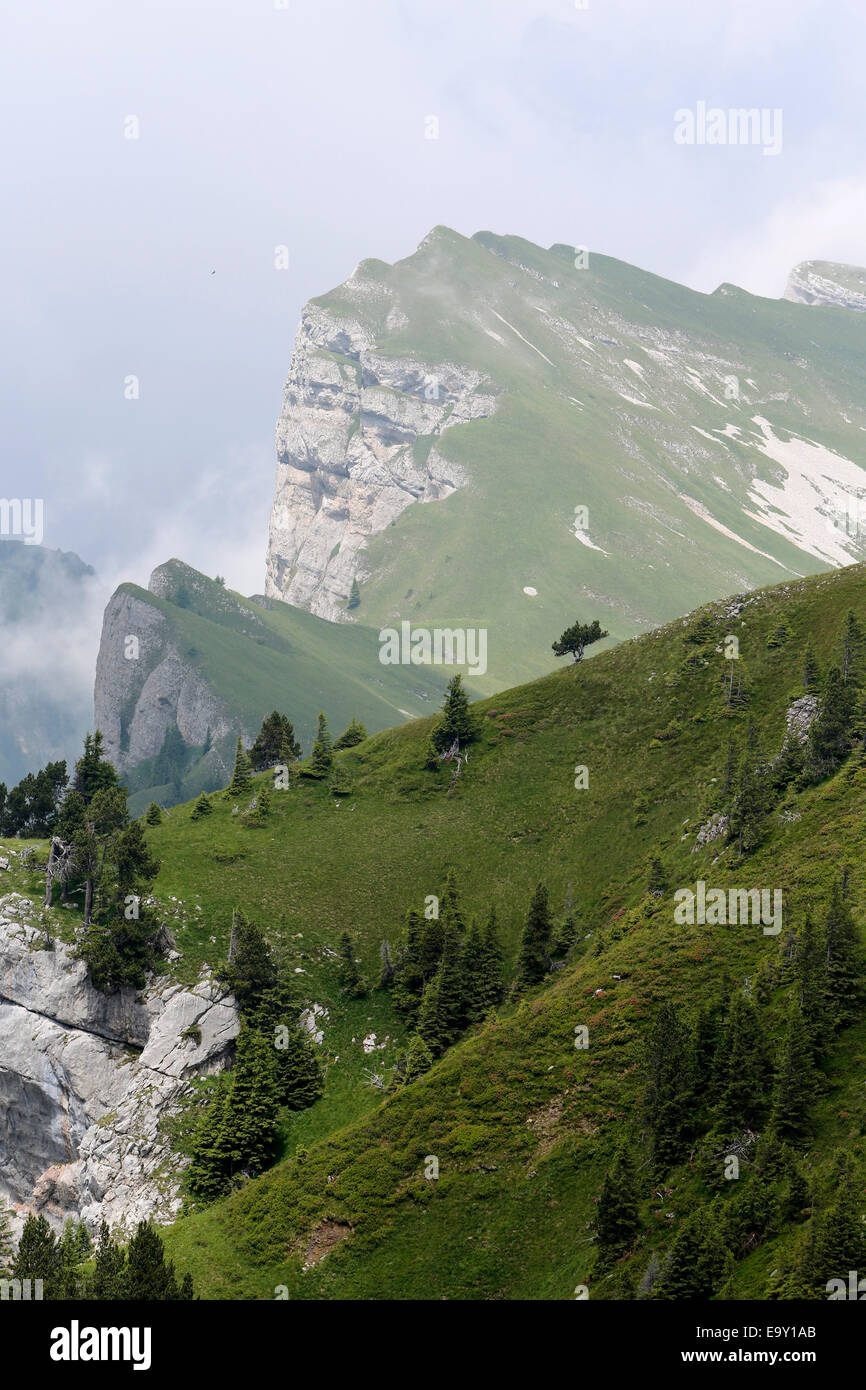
column 828, row 282
column 356, row 445
column 717, row 826
column 145, row 679
column 800, row 716
column 86, row 1079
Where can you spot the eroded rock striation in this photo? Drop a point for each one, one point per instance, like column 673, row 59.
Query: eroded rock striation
column 86, row 1078
column 356, row 445
column 146, row 680
column 828, row 282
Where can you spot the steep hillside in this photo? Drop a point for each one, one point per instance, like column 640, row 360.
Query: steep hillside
column 574, row 430
column 522, row 1122
column 189, row 657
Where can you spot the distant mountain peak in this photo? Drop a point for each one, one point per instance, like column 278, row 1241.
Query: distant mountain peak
column 829, row 283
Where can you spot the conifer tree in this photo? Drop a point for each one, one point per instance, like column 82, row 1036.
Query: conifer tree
column 250, row 970
column 263, row 802
column 299, row 1075
column 669, row 1093
column 749, row 807
column 208, row 1174
column 533, row 959
column 790, row 763
column 73, row 1248
column 153, row 814
column 795, row 1083
column 811, row 670
column 473, row 964
column 37, row 1256
column 93, row 771
column 830, row 733
column 275, row 743
column 730, row 771
column 353, row 734
column 253, row 1102
column 352, row 981
column 408, row 984
column 699, row 1261
column 119, row 947
column 456, row 722
column 839, row 1240
column 810, row 973
column 657, row 879
column 202, row 807
column 147, row 1277
column 617, row 1218
column 240, row 782
column 490, row 989
column 743, row 1070
column 432, row 1024
column 419, row 1059
column 277, row 1016
column 452, row 1005
column 851, row 659
column 432, row 936
column 322, row 756
column 107, row 1280
column 565, row 935
column 576, row 638
column 843, row 959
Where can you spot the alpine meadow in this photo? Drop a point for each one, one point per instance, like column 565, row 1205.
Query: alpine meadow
column 433, row 678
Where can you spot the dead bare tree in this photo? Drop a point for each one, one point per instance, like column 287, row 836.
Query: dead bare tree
column 453, row 754
column 61, row 863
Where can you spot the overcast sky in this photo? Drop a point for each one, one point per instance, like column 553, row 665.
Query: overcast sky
column 262, row 123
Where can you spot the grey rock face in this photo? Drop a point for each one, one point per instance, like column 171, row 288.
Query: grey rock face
column 800, row 717
column 146, row 684
column 826, row 282
column 85, row 1079
column 713, row 829
column 355, row 446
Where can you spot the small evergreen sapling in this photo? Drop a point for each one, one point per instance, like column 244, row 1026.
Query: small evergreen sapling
column 240, row 782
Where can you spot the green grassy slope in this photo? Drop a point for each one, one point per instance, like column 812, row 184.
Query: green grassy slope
column 611, row 389
column 260, row 656
column 522, row 1123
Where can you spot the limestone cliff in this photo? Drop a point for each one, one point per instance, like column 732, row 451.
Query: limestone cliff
column 356, row 444
column 147, row 678
column 85, row 1079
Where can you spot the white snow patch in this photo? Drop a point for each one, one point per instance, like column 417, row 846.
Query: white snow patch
column 533, row 593
column 636, row 367
column 818, row 486
column 695, row 382
column 581, row 535
column 521, row 337
column 700, row 510
column 633, row 400
column 498, row 336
